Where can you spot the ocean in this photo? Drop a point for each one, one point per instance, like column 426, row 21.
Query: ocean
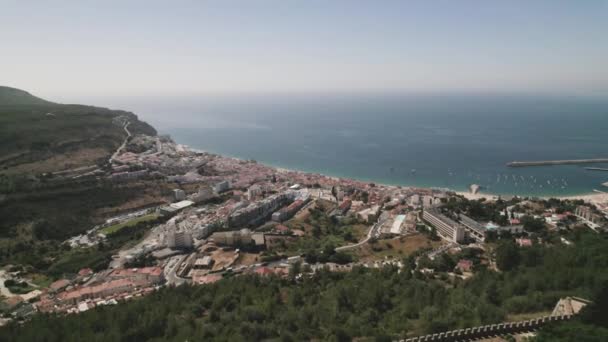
column 449, row 141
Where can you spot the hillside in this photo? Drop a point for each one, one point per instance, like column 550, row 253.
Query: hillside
column 13, row 96
column 38, row 136
column 39, row 211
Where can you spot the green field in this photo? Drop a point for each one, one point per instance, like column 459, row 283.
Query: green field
column 116, row 227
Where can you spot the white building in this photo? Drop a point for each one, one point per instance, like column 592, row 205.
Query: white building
column 445, row 226
column 204, row 193
column 253, row 192
column 396, row 226
column 430, row 201
column 179, row 240
column 179, row 194
column 221, row 186
column 414, row 200
column 369, row 215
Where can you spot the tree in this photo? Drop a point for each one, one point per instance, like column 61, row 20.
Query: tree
column 532, row 225
column 507, row 256
column 295, row 269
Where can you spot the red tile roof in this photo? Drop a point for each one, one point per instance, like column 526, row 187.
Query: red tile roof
column 524, row 242
column 95, row 290
column 128, row 272
column 464, row 265
column 59, row 284
column 85, row 272
column 264, row 271
column 207, row 279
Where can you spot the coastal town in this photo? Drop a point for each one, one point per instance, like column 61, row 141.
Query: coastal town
column 286, row 171
column 225, row 217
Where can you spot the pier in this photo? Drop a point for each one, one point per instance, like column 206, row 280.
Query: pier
column 596, row 169
column 556, row 162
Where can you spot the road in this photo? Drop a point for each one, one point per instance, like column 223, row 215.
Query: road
column 171, row 269
column 124, row 143
column 373, row 232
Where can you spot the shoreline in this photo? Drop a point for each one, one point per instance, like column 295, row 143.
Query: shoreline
column 591, row 197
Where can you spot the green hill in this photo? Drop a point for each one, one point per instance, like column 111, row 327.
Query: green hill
column 13, row 96
column 38, row 212
column 38, row 136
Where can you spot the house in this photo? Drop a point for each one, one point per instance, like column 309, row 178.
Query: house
column 144, row 274
column 343, row 208
column 281, row 229
column 465, row 265
column 207, row 279
column 85, row 272
column 569, row 306
column 59, row 285
column 264, row 271
column 203, row 263
column 523, row 242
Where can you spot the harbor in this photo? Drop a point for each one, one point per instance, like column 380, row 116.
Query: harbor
column 557, row 162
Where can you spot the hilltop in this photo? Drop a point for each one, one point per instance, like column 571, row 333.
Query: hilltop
column 14, row 96
column 38, row 136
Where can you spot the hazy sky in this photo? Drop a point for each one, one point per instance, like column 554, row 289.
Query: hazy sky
column 54, row 48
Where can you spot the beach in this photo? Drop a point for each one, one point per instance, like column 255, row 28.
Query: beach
column 594, row 197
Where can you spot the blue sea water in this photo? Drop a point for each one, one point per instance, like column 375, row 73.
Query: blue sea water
column 449, row 140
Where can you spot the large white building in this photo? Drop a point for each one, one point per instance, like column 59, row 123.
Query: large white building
column 474, row 229
column 179, row 240
column 445, row 226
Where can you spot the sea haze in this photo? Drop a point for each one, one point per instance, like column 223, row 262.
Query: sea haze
column 449, row 140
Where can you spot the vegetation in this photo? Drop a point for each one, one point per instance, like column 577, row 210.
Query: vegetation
column 98, row 257
column 36, row 139
column 323, row 233
column 479, row 209
column 590, row 326
column 116, row 227
column 396, row 248
column 34, row 226
column 39, row 210
column 39, row 246
column 382, row 303
column 17, row 287
column 13, row 96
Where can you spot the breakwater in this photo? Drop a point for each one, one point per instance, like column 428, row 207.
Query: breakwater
column 556, row 162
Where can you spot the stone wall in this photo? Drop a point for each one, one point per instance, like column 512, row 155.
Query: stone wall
column 492, row 330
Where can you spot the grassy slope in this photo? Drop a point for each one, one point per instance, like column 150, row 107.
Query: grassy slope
column 117, row 227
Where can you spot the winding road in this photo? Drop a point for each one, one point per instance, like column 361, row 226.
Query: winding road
column 124, row 143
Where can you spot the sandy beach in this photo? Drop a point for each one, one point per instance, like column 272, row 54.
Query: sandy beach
column 594, row 197
column 477, row 196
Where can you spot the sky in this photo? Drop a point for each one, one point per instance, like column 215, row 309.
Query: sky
column 65, row 48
